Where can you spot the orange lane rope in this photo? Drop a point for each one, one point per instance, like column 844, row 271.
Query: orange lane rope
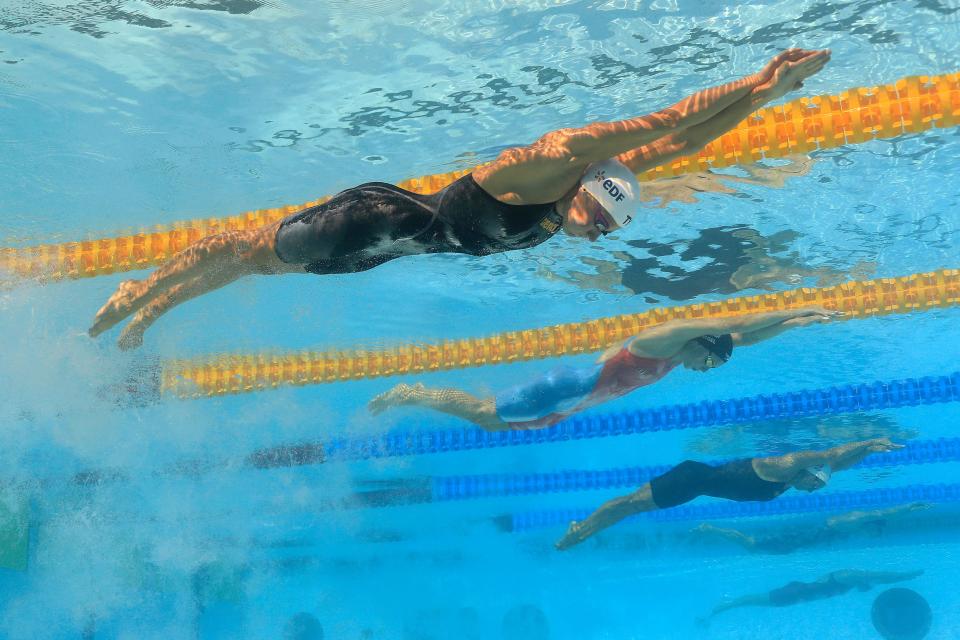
column 910, row 105
column 244, row 373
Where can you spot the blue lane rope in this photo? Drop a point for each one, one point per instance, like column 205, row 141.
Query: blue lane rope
column 466, row 487
column 420, row 490
column 835, row 501
column 840, row 399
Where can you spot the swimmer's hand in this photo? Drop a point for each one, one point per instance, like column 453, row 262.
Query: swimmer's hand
column 813, row 315
column 882, row 445
column 399, row 395
column 574, row 536
column 792, row 72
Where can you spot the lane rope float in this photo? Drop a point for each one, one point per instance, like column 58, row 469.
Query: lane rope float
column 245, row 373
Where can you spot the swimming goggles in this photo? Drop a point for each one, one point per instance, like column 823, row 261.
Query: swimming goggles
column 600, row 221
column 713, row 360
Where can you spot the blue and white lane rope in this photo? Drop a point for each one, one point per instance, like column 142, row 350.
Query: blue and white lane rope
column 467, row 487
column 425, row 489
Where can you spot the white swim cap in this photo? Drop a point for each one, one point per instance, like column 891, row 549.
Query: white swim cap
column 821, row 472
column 615, row 187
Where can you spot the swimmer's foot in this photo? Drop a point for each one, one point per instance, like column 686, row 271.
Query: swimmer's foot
column 574, row 536
column 118, row 307
column 400, row 395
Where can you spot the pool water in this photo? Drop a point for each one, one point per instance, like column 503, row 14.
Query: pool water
column 146, row 520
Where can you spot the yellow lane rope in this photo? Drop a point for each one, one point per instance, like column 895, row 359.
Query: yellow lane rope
column 910, row 105
column 244, row 373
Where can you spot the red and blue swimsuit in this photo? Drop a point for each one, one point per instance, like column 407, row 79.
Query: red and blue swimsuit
column 564, row 391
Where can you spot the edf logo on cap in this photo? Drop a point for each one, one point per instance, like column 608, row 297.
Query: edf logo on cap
column 609, row 186
column 614, row 187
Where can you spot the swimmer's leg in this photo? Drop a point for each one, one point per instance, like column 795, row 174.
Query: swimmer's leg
column 480, row 411
column 132, row 335
column 211, row 262
column 679, row 485
column 754, row 600
column 609, row 513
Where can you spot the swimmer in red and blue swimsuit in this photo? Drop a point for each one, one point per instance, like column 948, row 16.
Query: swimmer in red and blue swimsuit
column 700, row 345
column 564, row 391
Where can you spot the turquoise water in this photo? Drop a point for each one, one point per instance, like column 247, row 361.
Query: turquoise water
column 118, row 116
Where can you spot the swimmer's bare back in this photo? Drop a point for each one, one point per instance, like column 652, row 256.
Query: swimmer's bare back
column 519, row 184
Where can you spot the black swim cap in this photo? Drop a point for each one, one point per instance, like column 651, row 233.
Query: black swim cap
column 720, row 346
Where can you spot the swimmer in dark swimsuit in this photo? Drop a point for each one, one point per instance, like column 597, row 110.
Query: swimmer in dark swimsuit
column 579, row 179
column 799, row 537
column 748, row 479
column 833, row 584
column 701, row 345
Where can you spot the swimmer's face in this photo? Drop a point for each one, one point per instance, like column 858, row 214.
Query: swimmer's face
column 586, row 218
column 808, row 482
column 697, row 357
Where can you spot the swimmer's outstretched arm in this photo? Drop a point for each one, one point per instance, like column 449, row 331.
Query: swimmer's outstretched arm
column 733, row 535
column 603, row 140
column 551, row 166
column 855, row 519
column 866, row 579
column 785, row 77
column 839, row 458
column 747, row 338
column 667, row 339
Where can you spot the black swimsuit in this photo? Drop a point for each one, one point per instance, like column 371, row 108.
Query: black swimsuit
column 795, row 592
column 803, row 537
column 735, row 480
column 363, row 227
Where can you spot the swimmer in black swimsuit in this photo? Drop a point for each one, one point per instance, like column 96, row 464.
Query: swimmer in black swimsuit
column 579, row 180
column 833, row 584
column 749, row 479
